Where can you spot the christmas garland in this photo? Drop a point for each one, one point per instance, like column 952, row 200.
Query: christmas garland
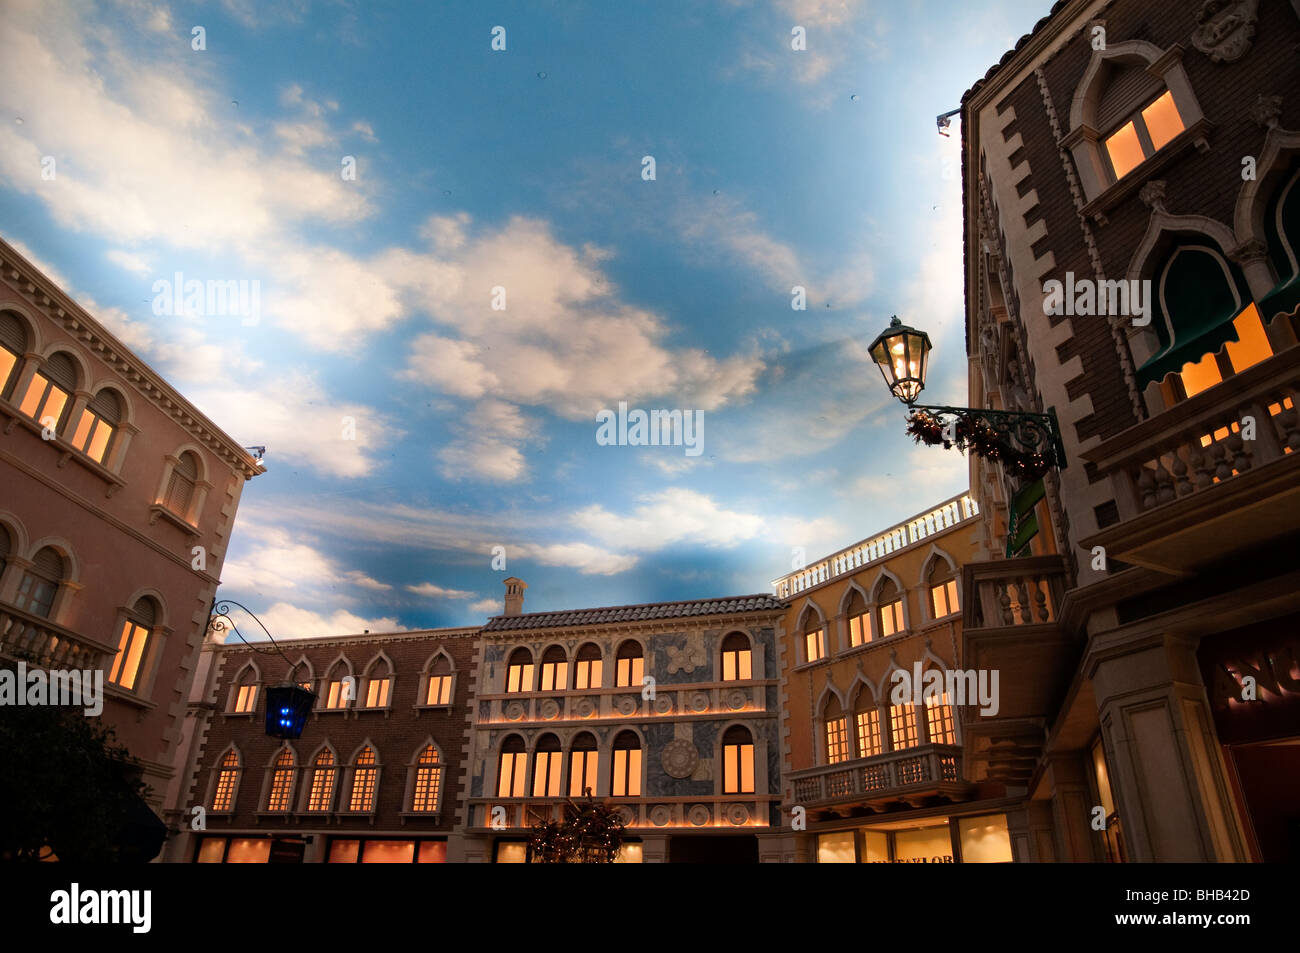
column 968, row 432
column 590, row 834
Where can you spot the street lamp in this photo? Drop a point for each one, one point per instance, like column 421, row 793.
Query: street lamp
column 287, row 704
column 1026, row 444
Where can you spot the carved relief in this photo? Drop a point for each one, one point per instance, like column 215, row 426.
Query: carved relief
column 680, row 758
column 686, row 657
column 1225, row 29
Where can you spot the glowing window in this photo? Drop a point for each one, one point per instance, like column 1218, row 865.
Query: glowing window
column 227, row 774
column 891, row 618
column 322, row 782
column 246, row 698
column 814, row 640
column 98, row 423
column 338, row 694
column 1162, row 120
column 555, row 670
column 626, row 781
column 737, row 761
column 428, row 781
column 511, row 768
column 837, row 740
column 48, row 393
column 13, row 345
column 519, row 673
column 943, row 589
column 364, row 778
column 587, row 668
column 1125, row 149
column 859, row 625
column 737, row 658
column 868, row 727
column 1148, row 131
column 584, row 766
column 629, row 668
column 902, row 726
column 939, row 719
column 547, row 765
column 377, row 692
column 131, row 645
column 281, row 782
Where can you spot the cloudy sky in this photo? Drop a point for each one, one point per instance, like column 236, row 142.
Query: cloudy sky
column 389, row 181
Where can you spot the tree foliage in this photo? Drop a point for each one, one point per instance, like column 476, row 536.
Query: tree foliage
column 590, row 833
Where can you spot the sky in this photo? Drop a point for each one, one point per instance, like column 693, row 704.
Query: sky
column 454, row 257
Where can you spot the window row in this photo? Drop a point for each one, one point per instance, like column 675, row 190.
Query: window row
column 884, row 615
column 553, row 674
column 94, row 425
column 552, row 772
column 872, row 729
column 340, row 690
column 326, row 785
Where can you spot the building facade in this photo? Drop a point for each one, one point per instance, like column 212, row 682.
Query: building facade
column 1132, row 217
column 117, row 506
column 377, row 775
column 667, row 710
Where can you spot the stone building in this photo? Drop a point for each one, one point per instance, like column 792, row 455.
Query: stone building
column 118, row 502
column 668, row 710
column 1131, row 175
column 870, row 775
column 377, row 776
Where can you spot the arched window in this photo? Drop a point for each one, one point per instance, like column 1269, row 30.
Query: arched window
column 322, row 781
column 629, row 668
column 49, row 392
column 440, row 681
column 340, row 687
column 99, row 422
column 943, row 589
column 587, row 667
column 584, row 765
column 555, row 670
column 519, row 673
column 626, row 780
column 181, row 484
column 939, row 719
column 814, row 638
column 428, row 781
column 133, row 643
column 512, row 768
column 1134, row 135
column 13, row 345
column 889, row 617
column 837, row 732
column 40, row 583
column 379, row 682
column 902, row 727
column 737, row 658
column 547, row 765
column 365, row 778
column 224, row 795
column 737, row 761
column 859, row 622
column 866, row 716
column 281, row 793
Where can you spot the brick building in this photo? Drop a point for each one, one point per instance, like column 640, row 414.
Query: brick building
column 118, row 501
column 1157, row 145
column 377, row 775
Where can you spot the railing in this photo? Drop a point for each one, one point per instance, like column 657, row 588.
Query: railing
column 944, row 516
column 40, row 642
column 880, row 775
column 712, row 811
column 1013, row 592
column 1240, row 425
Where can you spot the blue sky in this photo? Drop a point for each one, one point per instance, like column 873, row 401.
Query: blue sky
column 519, row 169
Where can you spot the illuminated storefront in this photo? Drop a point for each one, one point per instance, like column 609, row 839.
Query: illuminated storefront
column 978, row 839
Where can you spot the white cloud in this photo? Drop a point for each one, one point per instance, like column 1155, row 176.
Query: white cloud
column 675, row 515
column 488, row 444
column 487, row 607
column 133, row 262
column 438, row 592
column 287, row 621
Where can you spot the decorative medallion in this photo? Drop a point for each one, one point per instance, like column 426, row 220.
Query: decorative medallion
column 625, row 812
column 626, row 705
column 1225, row 29
column 736, row 814
column 680, row 758
column 737, row 699
column 661, row 815
column 514, row 711
column 586, row 708
column 685, row 658
column 664, row 704
column 550, row 709
column 698, row 816
column 700, row 701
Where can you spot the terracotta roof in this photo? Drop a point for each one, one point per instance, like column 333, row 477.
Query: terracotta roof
column 650, row 610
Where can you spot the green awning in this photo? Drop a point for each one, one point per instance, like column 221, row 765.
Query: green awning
column 1284, row 299
column 1201, row 305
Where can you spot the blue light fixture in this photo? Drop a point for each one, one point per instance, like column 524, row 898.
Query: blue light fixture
column 287, row 708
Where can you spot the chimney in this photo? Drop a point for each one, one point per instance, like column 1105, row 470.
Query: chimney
column 515, row 595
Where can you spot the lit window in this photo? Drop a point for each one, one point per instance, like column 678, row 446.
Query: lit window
column 859, row 624
column 868, row 727
column 228, row 773
column 1142, row 136
column 902, row 726
column 364, row 776
column 629, row 668
column 814, row 640
column 519, row 673
column 890, row 613
column 584, row 763
column 626, row 781
column 938, row 717
column 555, row 670
column 511, row 768
column 943, row 590
column 339, row 692
column 440, row 678
column 587, row 668
column 322, row 782
column 47, row 394
column 246, row 698
column 737, row 658
column 98, row 423
column 377, row 692
column 13, row 345
column 428, row 781
column 40, row 584
column 132, row 643
column 547, row 765
column 837, row 738
column 737, row 761
column 281, row 782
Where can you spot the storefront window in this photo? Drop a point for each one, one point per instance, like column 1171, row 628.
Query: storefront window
column 1113, row 834
column 984, row 840
column 928, row 845
column 837, row 848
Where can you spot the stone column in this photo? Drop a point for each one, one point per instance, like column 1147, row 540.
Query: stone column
column 1072, row 804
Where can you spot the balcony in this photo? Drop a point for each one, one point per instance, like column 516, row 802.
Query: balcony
column 1194, row 485
column 943, row 517
column 40, row 642
column 644, row 814
column 913, row 776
